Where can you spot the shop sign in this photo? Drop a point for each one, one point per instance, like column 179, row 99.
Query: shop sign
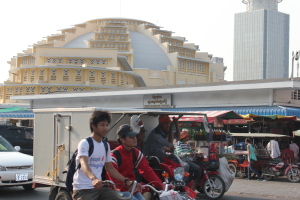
column 157, row 101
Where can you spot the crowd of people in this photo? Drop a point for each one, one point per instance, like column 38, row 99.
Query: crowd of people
column 128, row 163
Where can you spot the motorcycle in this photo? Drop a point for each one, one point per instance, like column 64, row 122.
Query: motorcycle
column 171, row 172
column 275, row 168
column 209, row 181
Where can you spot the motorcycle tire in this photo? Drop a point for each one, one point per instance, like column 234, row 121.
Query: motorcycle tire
column 296, row 177
column 232, row 167
column 267, row 170
column 218, row 189
column 63, row 195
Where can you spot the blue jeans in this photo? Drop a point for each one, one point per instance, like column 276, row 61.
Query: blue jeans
column 137, row 196
column 251, row 168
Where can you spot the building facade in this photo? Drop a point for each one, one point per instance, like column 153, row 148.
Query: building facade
column 109, row 53
column 261, row 42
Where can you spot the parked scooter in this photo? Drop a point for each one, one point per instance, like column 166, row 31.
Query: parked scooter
column 275, row 168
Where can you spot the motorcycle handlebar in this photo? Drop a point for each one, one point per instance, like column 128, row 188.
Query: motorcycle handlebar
column 152, row 188
column 116, row 191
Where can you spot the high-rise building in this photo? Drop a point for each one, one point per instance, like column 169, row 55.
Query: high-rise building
column 261, row 41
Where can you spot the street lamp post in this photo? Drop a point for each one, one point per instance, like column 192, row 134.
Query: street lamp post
column 294, row 57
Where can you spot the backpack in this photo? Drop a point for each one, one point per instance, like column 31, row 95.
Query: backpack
column 71, row 165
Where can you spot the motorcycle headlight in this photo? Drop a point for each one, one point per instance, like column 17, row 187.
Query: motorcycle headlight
column 2, row 168
column 178, row 173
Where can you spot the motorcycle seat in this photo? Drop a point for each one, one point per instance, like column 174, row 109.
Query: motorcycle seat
column 274, row 161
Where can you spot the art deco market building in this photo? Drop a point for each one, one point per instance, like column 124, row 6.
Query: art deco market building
column 106, row 54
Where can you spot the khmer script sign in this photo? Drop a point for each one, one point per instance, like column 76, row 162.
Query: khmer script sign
column 157, row 101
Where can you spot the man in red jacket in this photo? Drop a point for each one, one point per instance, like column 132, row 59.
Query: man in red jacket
column 130, row 161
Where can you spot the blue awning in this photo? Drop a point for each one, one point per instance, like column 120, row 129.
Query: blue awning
column 25, row 114
column 256, row 110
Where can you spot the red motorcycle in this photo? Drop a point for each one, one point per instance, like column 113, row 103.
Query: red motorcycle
column 172, row 172
column 275, row 168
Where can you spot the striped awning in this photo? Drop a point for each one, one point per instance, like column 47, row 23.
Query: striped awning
column 211, row 115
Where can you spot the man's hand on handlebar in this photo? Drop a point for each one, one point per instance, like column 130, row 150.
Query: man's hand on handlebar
column 97, row 183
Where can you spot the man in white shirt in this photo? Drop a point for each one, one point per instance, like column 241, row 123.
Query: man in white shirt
column 87, row 182
column 273, row 148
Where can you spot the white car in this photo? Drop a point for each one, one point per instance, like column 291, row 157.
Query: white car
column 15, row 167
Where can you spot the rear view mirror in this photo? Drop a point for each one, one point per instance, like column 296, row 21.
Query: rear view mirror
column 17, row 148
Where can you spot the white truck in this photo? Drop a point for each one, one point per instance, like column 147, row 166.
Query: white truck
column 59, row 130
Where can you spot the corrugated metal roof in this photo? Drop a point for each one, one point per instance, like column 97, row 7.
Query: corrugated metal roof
column 257, row 110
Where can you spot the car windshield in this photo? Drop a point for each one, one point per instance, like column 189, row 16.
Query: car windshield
column 5, row 145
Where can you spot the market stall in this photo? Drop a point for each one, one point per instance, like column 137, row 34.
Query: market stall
column 210, row 130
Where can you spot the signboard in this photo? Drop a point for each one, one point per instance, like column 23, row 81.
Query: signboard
column 157, row 101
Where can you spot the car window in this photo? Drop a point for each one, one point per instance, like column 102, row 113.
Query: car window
column 5, row 145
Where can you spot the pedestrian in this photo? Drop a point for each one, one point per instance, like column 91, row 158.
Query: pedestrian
column 87, row 181
column 273, row 148
column 294, row 147
column 251, row 158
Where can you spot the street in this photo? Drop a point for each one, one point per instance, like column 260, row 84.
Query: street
column 278, row 189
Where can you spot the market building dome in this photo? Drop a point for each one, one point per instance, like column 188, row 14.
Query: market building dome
column 109, row 53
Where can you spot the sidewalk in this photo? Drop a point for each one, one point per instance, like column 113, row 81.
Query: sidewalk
column 279, row 188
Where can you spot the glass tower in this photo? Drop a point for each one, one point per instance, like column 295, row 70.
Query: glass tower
column 261, row 41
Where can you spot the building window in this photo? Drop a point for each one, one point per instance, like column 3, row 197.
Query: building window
column 46, row 89
column 25, row 75
column 41, row 72
column 200, row 67
column 78, row 75
column 18, row 90
column 181, row 64
column 66, row 72
column 113, row 78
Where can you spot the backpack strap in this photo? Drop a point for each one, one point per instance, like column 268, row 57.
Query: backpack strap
column 118, row 156
column 134, row 157
column 105, row 145
column 91, row 145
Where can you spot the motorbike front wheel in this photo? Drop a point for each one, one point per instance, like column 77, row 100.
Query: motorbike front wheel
column 293, row 175
column 218, row 187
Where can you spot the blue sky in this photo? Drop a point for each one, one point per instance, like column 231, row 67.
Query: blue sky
column 207, row 23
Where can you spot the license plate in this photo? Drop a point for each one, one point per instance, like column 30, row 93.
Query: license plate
column 190, row 192
column 22, row 177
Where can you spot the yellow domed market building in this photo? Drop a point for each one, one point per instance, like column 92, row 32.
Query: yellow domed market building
column 109, row 53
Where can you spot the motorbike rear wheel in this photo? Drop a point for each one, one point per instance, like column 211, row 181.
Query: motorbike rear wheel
column 218, row 187
column 232, row 167
column 267, row 170
column 293, row 178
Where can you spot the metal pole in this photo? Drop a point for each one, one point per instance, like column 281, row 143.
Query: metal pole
column 292, row 78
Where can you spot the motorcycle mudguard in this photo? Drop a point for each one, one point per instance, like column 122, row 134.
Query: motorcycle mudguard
column 288, row 168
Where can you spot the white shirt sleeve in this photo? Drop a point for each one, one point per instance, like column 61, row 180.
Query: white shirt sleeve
column 83, row 148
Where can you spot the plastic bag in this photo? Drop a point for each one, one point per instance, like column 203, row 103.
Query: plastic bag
column 226, row 174
column 170, row 195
